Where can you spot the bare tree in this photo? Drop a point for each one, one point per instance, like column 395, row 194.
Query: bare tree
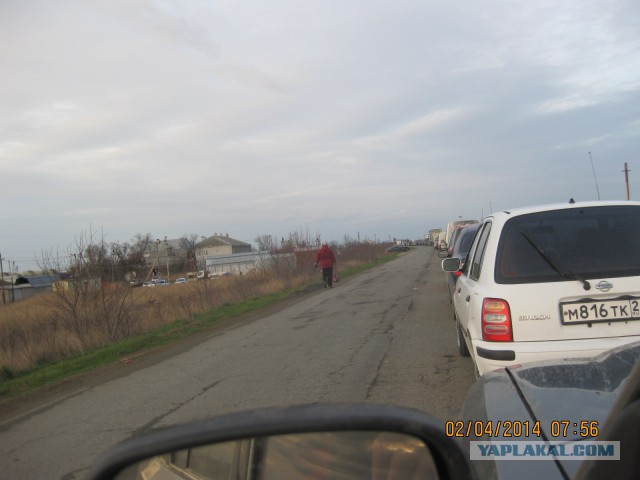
column 265, row 243
column 87, row 306
column 188, row 243
column 136, row 259
column 301, row 238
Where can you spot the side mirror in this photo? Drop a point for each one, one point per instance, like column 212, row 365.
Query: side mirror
column 347, row 441
column 452, row 264
column 443, row 253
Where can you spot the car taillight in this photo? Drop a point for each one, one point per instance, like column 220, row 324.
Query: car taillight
column 457, row 274
column 496, row 321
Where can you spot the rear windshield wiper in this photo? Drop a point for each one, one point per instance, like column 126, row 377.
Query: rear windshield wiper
column 565, row 272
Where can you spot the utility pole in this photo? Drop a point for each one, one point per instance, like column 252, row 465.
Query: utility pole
column 626, row 178
column 4, row 301
column 168, row 259
column 156, row 259
column 14, row 270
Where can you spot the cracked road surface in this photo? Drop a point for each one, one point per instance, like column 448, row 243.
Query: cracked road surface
column 383, row 336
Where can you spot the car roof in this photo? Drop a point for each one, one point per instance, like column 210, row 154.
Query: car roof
column 504, row 214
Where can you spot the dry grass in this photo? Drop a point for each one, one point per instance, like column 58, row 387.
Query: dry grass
column 56, row 325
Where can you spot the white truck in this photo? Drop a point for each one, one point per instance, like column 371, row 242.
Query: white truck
column 433, row 235
column 451, row 226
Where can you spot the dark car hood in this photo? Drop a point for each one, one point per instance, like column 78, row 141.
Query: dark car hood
column 575, row 390
column 556, row 391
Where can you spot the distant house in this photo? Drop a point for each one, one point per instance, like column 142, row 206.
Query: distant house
column 222, row 254
column 235, row 264
column 27, row 286
column 241, row 263
column 43, row 282
column 68, row 284
column 218, row 245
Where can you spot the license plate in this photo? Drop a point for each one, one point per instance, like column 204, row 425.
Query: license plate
column 605, row 311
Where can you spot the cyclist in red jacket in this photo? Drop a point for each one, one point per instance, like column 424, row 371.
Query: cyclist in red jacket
column 326, row 259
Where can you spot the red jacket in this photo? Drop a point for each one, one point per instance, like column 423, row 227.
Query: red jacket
column 325, row 257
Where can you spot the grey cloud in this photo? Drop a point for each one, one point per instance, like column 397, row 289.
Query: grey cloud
column 260, row 117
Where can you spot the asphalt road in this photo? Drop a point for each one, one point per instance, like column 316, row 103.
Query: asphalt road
column 384, row 336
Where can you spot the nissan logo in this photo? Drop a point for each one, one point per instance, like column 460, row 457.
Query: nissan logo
column 604, row 286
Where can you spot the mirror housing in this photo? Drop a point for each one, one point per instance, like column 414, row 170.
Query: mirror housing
column 452, row 264
column 448, row 457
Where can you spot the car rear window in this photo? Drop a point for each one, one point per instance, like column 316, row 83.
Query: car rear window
column 589, row 242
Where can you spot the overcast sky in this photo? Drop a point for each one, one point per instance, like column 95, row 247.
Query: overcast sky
column 372, row 118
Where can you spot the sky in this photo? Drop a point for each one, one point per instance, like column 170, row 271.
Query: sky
column 364, row 118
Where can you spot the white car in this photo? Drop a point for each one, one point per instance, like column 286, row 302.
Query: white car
column 549, row 282
column 180, row 280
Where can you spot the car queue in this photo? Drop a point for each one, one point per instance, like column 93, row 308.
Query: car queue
column 546, row 303
column 547, row 282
